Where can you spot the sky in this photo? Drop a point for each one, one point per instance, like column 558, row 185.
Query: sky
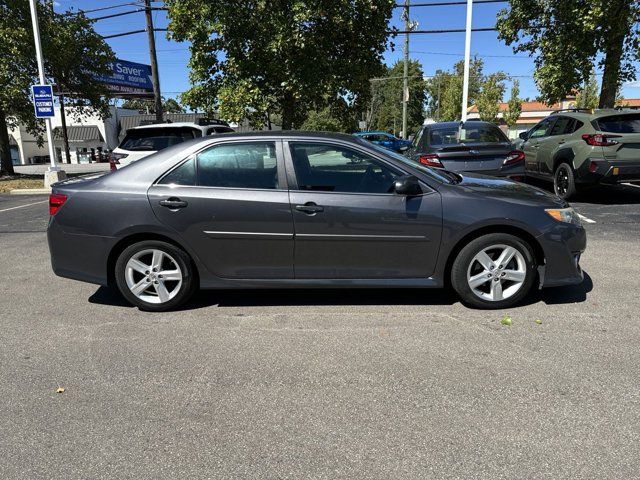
column 439, row 51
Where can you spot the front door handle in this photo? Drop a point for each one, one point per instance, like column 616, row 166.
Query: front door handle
column 173, row 203
column 310, row 208
column 536, row 146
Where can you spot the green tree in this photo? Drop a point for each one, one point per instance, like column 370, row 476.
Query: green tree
column 387, row 101
column 322, row 121
column 445, row 90
column 514, row 105
column 143, row 105
column 569, row 36
column 587, row 97
column 283, row 57
column 490, row 97
column 72, row 51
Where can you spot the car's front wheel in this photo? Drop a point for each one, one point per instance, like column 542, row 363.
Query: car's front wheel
column 155, row 275
column 494, row 271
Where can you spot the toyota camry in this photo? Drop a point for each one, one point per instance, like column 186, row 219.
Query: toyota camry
column 300, row 209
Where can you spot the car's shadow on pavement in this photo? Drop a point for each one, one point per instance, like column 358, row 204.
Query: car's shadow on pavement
column 338, row 297
column 600, row 194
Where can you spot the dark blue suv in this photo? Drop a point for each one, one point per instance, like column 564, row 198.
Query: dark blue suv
column 385, row 140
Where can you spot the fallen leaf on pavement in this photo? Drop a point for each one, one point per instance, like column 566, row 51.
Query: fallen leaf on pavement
column 506, row 320
column 60, row 390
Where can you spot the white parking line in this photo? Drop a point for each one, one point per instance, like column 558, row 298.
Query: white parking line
column 585, row 219
column 22, row 206
column 631, row 185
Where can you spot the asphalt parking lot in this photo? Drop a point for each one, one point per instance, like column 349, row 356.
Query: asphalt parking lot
column 321, row 384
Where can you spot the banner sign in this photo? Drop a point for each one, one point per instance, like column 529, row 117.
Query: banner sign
column 43, row 101
column 128, row 79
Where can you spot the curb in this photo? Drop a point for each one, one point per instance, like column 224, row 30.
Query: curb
column 30, row 191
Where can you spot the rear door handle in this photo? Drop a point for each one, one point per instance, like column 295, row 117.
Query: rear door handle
column 310, row 208
column 173, row 203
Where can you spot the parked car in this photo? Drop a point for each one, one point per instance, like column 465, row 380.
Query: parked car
column 140, row 142
column 577, row 148
column 472, row 146
column 385, row 140
column 287, row 209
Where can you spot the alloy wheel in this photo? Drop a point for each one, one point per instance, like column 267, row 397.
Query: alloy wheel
column 562, row 181
column 153, row 276
column 497, row 272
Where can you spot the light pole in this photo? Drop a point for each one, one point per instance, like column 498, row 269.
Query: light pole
column 54, row 173
column 467, row 59
column 405, row 80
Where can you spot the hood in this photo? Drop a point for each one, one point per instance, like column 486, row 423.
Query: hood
column 507, row 190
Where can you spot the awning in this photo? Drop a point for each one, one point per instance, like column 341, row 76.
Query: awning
column 80, row 133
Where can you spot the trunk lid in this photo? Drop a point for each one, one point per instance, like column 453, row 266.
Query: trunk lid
column 473, row 156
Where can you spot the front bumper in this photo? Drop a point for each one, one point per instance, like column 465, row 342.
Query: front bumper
column 562, row 245
column 608, row 172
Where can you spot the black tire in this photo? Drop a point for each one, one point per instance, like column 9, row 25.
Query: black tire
column 172, row 254
column 464, row 262
column 564, row 181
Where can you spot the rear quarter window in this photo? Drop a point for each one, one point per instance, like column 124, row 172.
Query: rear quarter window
column 625, row 123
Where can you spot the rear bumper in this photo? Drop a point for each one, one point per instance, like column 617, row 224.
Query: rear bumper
column 609, row 172
column 508, row 171
column 562, row 245
column 79, row 257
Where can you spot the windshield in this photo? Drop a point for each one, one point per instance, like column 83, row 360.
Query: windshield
column 470, row 133
column 442, row 176
column 154, row 139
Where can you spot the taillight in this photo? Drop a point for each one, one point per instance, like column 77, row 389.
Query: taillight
column 56, row 200
column 514, row 157
column 430, row 160
column 600, row 139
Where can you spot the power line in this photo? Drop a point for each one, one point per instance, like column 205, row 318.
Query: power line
column 446, row 4
column 104, row 8
column 133, row 32
column 475, row 55
column 454, row 30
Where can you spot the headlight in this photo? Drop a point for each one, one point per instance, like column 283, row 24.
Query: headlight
column 567, row 215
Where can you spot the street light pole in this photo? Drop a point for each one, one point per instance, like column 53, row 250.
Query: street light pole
column 405, row 83
column 54, row 172
column 467, row 59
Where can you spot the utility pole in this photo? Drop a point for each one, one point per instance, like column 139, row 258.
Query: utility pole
column 467, row 59
column 405, row 82
column 155, row 79
column 54, row 173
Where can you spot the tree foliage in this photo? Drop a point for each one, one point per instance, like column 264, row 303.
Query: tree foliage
column 445, row 90
column 72, row 51
column 514, row 105
column 143, row 105
column 254, row 58
column 587, row 96
column 569, row 36
column 387, row 99
column 490, row 97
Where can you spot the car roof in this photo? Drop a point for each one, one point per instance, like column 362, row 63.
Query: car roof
column 173, row 125
column 369, row 132
column 457, row 124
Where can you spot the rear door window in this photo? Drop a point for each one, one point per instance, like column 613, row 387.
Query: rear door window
column 155, row 139
column 238, row 165
column 563, row 125
column 625, row 123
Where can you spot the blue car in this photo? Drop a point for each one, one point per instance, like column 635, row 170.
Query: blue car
column 385, row 140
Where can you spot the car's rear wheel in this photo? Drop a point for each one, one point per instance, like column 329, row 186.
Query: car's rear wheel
column 564, row 181
column 155, row 275
column 494, row 271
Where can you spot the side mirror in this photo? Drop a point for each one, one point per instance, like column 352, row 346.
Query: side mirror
column 407, row 185
column 524, row 135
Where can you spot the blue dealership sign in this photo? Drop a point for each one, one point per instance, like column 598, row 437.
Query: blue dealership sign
column 43, row 100
column 128, row 79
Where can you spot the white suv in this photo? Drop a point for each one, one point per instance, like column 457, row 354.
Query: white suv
column 140, row 142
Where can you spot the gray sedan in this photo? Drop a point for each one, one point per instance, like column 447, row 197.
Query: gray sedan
column 307, row 210
column 473, row 146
